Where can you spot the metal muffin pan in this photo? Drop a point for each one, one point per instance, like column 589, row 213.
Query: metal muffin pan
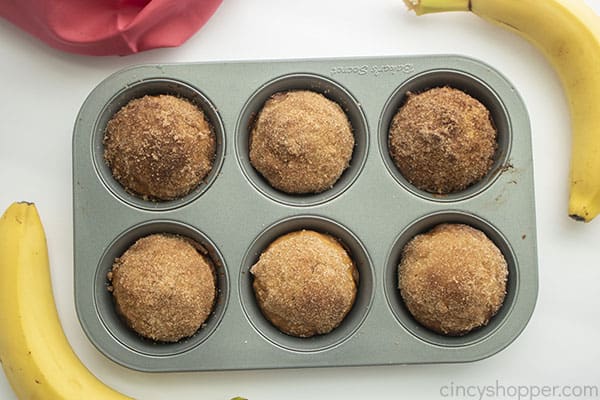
column 234, row 214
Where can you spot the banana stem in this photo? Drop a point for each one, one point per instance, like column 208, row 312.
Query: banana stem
column 432, row 6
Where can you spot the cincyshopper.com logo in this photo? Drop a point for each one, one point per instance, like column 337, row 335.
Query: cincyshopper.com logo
column 519, row 392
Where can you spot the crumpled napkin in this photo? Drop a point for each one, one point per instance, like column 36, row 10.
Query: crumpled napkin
column 108, row 27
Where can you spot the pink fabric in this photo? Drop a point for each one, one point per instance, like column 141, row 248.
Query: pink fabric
column 105, row 27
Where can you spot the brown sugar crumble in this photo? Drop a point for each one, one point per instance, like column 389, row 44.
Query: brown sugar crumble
column 305, row 283
column 159, row 147
column 452, row 279
column 442, row 140
column 301, row 142
column 163, row 287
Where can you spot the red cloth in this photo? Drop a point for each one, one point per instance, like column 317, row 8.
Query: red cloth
column 105, row 27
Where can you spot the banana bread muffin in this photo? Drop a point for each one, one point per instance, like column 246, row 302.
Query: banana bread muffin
column 159, row 147
column 452, row 279
column 305, row 283
column 301, row 142
column 442, row 140
column 163, row 287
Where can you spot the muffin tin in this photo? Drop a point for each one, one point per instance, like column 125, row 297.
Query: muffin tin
column 234, row 214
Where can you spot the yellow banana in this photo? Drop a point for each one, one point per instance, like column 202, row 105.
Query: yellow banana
column 35, row 354
column 568, row 33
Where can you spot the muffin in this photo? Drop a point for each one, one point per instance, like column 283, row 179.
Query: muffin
column 442, row 140
column 452, row 279
column 163, row 287
column 159, row 147
column 301, row 142
column 305, row 283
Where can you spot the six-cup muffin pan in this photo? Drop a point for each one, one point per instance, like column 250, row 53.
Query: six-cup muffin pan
column 234, row 214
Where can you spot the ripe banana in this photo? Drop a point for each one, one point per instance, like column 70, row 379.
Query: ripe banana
column 568, row 33
column 35, row 354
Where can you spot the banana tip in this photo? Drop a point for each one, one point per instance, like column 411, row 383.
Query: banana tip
column 578, row 218
column 411, row 4
column 415, row 6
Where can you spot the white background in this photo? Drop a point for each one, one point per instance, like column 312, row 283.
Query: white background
column 42, row 89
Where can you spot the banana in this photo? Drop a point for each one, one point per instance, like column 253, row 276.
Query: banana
column 35, row 354
column 568, row 33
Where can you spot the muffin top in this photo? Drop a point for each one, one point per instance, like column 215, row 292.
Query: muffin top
column 442, row 140
column 301, row 142
column 452, row 278
column 159, row 147
column 163, row 287
column 305, row 283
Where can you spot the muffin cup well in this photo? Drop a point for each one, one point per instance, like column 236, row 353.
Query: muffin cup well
column 364, row 295
column 104, row 301
column 156, row 86
column 474, row 87
column 333, row 91
column 400, row 310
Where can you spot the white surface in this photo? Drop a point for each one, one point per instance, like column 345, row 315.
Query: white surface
column 42, row 90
